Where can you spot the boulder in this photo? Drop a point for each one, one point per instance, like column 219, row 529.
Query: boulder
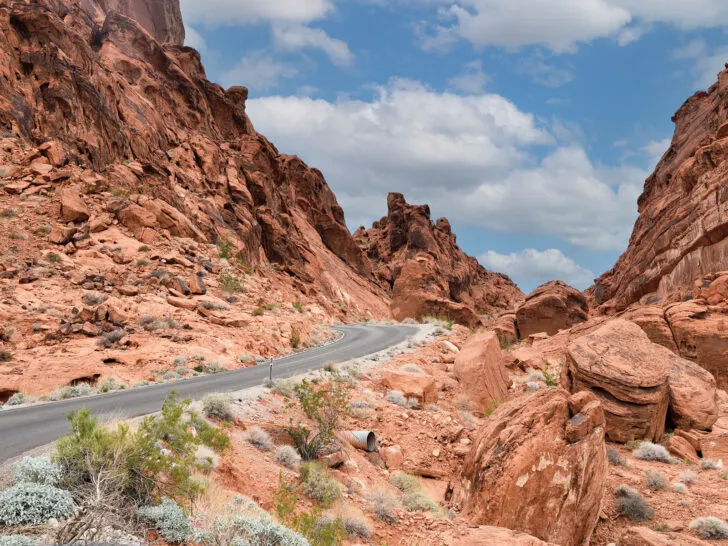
column 693, row 396
column 479, row 367
column 682, row 449
column 535, row 457
column 73, row 207
column 651, row 319
column 494, row 536
column 506, row 329
column 644, row 536
column 628, row 373
column 412, row 385
column 551, row 307
column 61, row 234
column 392, row 456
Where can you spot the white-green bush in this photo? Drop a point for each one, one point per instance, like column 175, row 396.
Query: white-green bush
column 652, row 452
column 356, row 526
column 167, row 518
column 218, row 406
column 679, row 488
column 265, row 531
column 259, row 438
column 40, row 470
column 710, row 528
column 239, row 541
column 17, row 540
column 16, row 399
column 33, row 504
column 689, row 476
column 288, row 456
column 710, row 464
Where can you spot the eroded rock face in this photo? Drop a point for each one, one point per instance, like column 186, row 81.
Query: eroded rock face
column 681, row 231
column 637, row 380
column 491, row 536
column 419, row 260
column 479, row 366
column 537, row 456
column 161, row 18
column 551, row 307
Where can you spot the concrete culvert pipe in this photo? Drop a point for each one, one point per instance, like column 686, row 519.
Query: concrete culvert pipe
column 362, row 439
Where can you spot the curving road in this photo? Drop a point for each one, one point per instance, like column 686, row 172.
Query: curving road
column 22, row 429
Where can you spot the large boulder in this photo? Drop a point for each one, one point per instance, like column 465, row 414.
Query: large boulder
column 651, row 319
column 73, row 207
column 643, row 536
column 480, row 370
column 493, row 536
column 412, row 385
column 635, row 380
column 538, row 466
column 551, row 307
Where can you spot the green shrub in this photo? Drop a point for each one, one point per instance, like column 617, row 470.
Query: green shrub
column 231, row 283
column 647, row 451
column 405, row 482
column 225, row 249
column 710, row 528
column 265, row 531
column 317, row 530
column 318, row 484
column 632, row 504
column 655, row 480
column 288, row 456
column 295, row 338
column 418, row 501
column 34, row 504
column 40, row 470
column 218, row 406
column 16, row 399
column 258, row 312
column 167, row 518
column 384, row 505
column 259, row 438
column 298, row 306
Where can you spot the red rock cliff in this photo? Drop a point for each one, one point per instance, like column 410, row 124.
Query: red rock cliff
column 428, row 274
column 681, row 233
column 161, row 18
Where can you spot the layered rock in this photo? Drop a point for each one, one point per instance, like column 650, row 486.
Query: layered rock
column 479, row 366
column 419, row 260
column 551, row 307
column 637, row 380
column 177, row 152
column 681, row 233
column 538, row 465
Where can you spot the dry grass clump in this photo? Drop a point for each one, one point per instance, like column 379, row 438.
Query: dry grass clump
column 656, row 481
column 689, row 476
column 384, row 505
column 710, row 528
column 218, row 406
column 631, row 504
column 710, row 464
column 259, row 438
column 288, row 456
column 647, row 451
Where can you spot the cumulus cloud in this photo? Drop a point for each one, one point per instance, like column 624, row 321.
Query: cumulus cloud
column 471, row 157
column 214, row 13
column 299, row 37
column 532, row 267
column 471, row 80
column 259, row 71
column 541, row 71
column 194, row 39
column 707, row 62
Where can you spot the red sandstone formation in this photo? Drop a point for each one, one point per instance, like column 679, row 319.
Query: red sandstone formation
column 161, row 18
column 551, row 307
column 419, row 260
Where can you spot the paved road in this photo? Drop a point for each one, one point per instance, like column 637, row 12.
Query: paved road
column 25, row 428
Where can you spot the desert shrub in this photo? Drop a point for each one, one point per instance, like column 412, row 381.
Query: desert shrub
column 710, row 528
column 167, row 518
column 179, row 361
column 53, row 258
column 418, row 501
column 325, row 404
column 318, row 484
column 647, row 451
column 225, row 249
column 264, row 531
column 356, row 526
column 288, row 456
column 94, row 298
column 614, row 457
column 209, row 435
column 231, row 283
column 532, row 386
column 286, row 387
column 463, row 402
column 258, row 312
column 17, row 540
column 164, row 323
column 468, row 419
column 214, row 306
column 295, row 338
column 550, row 379
column 109, row 338
column 143, row 248
column 632, row 504
column 399, row 399
column 320, row 531
column 6, row 356
column 405, row 482
column 72, row 391
column 33, row 504
column 259, row 438
column 655, row 480
column 383, row 505
column 214, row 367
column 679, row 488
column 110, row 384
column 16, row 399
column 689, row 476
column 40, row 470
column 534, row 375
column 218, row 406
column 298, row 306
column 710, row 464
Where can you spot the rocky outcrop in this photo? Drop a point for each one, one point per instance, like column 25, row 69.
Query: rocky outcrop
column 637, row 380
column 491, row 536
column 113, row 109
column 479, row 366
column 643, row 536
column 420, row 261
column 551, row 307
column 535, row 456
column 681, row 233
column 412, row 385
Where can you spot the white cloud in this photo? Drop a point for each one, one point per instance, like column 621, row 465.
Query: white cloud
column 632, row 33
column 299, row 37
column 258, row 71
column 214, row 13
column 471, row 80
column 544, row 72
column 534, row 267
column 707, row 62
column 470, row 157
column 654, row 151
column 194, row 39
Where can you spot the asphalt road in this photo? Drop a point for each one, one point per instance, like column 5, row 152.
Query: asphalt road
column 22, row 429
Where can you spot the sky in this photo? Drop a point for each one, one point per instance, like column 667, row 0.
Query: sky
column 530, row 124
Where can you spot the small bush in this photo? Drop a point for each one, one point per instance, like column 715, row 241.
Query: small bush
column 6, row 356
column 143, row 248
column 397, row 398
column 110, row 384
column 288, row 456
column 679, row 488
column 264, row 531
column 405, row 482
column 17, row 540
column 689, row 476
column 72, row 391
column 16, row 399
column 258, row 312
column 225, row 249
column 463, row 403
column 231, row 283
column 710, row 528
column 94, row 298
column 34, row 504
column 53, row 258
column 286, row 387
column 614, row 457
column 214, row 306
column 656, row 481
column 532, row 386
column 710, row 464
column 356, row 526
column 418, row 502
column 179, row 361
column 38, row 470
column 318, row 484
column 214, row 367
column 218, row 406
column 109, row 338
column 631, row 504
column 167, row 518
column 295, row 338
column 647, row 451
column 298, row 306
column 384, row 505
column 259, row 438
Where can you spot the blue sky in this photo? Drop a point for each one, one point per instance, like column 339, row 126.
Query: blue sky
column 530, row 124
